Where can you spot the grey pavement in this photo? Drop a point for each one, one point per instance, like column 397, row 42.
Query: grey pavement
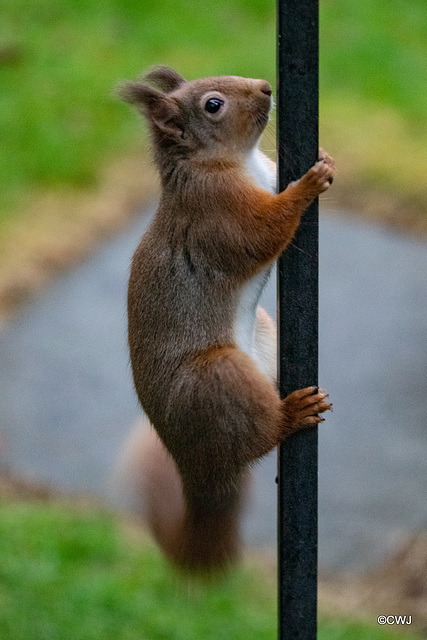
column 67, row 403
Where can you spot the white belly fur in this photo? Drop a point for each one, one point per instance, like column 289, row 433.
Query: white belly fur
column 245, row 322
column 262, row 170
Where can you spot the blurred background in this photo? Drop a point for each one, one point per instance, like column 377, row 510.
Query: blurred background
column 77, row 192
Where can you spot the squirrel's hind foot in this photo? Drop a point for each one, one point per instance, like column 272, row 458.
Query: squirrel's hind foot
column 302, row 408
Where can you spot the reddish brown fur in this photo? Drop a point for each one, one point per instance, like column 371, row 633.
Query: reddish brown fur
column 213, row 409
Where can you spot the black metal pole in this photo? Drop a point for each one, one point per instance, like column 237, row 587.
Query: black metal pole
column 297, row 127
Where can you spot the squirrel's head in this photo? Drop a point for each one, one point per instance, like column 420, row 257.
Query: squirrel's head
column 210, row 115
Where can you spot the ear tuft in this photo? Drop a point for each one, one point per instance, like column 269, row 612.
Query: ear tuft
column 161, row 111
column 165, row 78
column 137, row 93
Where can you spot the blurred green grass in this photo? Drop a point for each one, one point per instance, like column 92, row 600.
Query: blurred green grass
column 373, row 88
column 59, row 62
column 68, row 573
column 376, row 52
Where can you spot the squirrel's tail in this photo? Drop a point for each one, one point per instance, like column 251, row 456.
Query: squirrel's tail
column 195, row 538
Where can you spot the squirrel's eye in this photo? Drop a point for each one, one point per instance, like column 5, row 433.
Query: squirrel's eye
column 213, row 105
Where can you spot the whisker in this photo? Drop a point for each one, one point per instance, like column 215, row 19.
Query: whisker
column 299, row 249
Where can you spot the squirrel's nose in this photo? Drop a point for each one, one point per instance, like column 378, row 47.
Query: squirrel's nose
column 266, row 89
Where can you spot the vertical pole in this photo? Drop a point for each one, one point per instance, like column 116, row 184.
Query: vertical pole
column 297, row 118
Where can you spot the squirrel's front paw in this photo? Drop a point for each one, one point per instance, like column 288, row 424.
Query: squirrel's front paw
column 325, row 157
column 301, row 409
column 320, row 177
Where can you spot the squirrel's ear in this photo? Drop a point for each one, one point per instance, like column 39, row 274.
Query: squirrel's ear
column 165, row 78
column 160, row 110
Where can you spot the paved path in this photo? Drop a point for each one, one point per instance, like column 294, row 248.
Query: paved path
column 66, row 399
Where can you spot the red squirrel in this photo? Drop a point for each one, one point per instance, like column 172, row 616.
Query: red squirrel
column 203, row 353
